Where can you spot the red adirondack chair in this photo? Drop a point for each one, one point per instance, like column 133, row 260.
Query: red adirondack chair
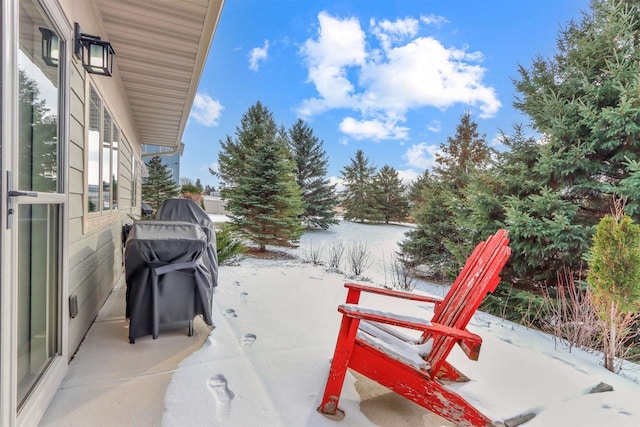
column 370, row 342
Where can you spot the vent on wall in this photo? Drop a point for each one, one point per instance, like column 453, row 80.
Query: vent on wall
column 73, row 306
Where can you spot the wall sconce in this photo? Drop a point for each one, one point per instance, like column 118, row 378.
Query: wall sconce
column 50, row 47
column 96, row 54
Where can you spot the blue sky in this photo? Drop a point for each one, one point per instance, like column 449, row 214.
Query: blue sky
column 389, row 77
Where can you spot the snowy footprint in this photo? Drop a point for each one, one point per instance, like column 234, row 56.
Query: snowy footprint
column 236, row 283
column 230, row 312
column 243, row 296
column 223, row 396
column 248, row 339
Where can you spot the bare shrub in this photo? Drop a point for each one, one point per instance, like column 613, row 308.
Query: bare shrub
column 569, row 313
column 401, row 277
column 314, row 254
column 336, row 254
column 358, row 258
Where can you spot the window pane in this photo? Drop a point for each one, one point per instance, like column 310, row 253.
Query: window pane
column 37, row 106
column 114, row 167
column 106, row 162
column 93, row 152
column 38, row 298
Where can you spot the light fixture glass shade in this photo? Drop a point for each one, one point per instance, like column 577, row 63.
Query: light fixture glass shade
column 50, row 47
column 95, row 53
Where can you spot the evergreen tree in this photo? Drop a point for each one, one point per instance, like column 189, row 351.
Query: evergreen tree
column 391, row 195
column 259, row 183
column 318, row 194
column 359, row 196
column 465, row 151
column 159, row 185
column 583, row 101
column 614, row 278
column 199, row 185
column 446, row 232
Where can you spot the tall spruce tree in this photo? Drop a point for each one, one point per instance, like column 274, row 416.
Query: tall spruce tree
column 391, row 195
column 159, row 185
column 584, row 103
column 318, row 194
column 359, row 195
column 442, row 238
column 258, row 181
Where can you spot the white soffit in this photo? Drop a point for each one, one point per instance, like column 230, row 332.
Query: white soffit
column 161, row 47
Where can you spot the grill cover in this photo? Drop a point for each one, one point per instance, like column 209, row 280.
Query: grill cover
column 166, row 274
column 189, row 211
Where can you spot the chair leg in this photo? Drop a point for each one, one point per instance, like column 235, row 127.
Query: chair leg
column 339, row 364
column 416, row 386
column 190, row 327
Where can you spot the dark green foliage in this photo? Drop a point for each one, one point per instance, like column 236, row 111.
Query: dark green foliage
column 228, row 243
column 391, row 195
column 359, row 196
column 516, row 305
column 443, row 202
column 585, row 101
column 190, row 188
column 199, row 185
column 258, row 175
column 462, row 153
column 318, row 194
column 159, row 185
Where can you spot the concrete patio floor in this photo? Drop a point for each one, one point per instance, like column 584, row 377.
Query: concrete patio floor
column 113, row 383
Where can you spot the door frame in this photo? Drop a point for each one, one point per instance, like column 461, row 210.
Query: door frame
column 37, row 402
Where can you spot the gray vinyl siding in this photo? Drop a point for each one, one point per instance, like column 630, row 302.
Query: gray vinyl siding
column 95, row 252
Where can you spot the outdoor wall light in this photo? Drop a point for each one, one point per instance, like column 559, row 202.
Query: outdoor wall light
column 50, row 47
column 96, row 54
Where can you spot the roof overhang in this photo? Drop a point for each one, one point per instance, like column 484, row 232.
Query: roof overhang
column 161, row 48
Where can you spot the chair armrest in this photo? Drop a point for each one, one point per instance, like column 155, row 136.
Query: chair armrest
column 408, row 322
column 392, row 293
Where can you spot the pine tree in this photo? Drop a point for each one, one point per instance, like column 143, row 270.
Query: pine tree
column 584, row 103
column 159, row 185
column 465, row 151
column 584, row 100
column 259, row 184
column 359, row 195
column 391, row 195
column 311, row 166
column 444, row 234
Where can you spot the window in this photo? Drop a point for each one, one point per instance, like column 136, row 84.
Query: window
column 102, row 157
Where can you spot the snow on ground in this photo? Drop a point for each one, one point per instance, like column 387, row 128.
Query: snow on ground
column 267, row 359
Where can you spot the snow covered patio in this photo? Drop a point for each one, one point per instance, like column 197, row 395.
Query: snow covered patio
column 265, row 364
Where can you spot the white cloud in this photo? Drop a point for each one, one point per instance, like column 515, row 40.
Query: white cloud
column 373, row 129
column 340, row 44
column 408, row 176
column 338, row 182
column 435, row 126
column 206, row 110
column 390, row 33
column 407, row 72
column 421, row 156
column 433, row 20
column 257, row 55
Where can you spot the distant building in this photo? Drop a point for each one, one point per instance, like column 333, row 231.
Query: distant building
column 171, row 160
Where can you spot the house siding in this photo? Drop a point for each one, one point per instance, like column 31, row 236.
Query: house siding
column 95, row 244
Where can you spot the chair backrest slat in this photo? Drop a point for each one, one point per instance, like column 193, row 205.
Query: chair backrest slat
column 479, row 276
